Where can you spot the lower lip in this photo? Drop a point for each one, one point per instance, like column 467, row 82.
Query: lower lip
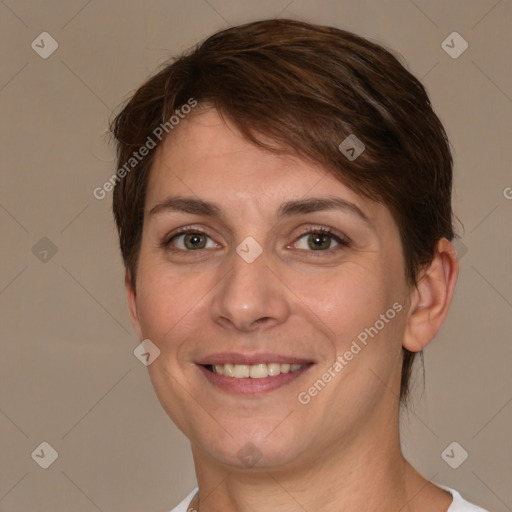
column 252, row 386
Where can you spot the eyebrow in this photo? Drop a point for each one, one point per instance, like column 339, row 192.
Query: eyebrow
column 196, row 206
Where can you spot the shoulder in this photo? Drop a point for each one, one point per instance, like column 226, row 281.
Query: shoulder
column 459, row 504
column 183, row 506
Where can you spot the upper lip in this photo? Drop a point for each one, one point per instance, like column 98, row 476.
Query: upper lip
column 250, row 359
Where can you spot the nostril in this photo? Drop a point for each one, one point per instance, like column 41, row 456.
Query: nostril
column 263, row 320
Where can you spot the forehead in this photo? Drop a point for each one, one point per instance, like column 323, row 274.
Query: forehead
column 207, row 149
column 205, row 156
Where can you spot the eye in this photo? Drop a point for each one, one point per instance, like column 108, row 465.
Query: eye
column 319, row 240
column 188, row 240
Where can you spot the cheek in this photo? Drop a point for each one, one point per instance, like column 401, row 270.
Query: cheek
column 348, row 306
column 173, row 307
column 164, row 301
column 344, row 301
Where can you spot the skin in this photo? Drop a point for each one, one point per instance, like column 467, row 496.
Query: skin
column 342, row 447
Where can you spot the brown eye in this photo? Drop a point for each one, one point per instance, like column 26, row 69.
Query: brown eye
column 194, row 241
column 317, row 241
column 191, row 241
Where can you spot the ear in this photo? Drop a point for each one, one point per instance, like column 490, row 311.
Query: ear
column 131, row 296
column 431, row 298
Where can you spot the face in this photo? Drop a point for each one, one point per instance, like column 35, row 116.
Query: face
column 276, row 296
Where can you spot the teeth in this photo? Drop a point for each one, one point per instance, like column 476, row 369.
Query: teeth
column 274, row 369
column 241, row 371
column 255, row 371
column 285, row 368
column 258, row 371
column 229, row 370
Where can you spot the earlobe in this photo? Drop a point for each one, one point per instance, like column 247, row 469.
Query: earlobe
column 431, row 298
column 131, row 297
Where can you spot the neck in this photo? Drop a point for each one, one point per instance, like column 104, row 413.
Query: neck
column 366, row 473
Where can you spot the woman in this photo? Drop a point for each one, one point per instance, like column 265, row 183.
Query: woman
column 283, row 201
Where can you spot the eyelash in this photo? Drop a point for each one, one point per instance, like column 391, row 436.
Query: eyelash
column 343, row 242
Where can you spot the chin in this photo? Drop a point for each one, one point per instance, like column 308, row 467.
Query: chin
column 252, row 447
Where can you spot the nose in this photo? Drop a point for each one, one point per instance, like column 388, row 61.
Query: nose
column 250, row 297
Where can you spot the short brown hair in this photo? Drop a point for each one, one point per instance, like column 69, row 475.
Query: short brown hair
column 306, row 88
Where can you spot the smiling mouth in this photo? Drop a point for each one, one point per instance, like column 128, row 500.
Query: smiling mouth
column 254, row 371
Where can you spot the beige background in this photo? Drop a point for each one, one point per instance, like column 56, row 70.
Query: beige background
column 68, row 373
